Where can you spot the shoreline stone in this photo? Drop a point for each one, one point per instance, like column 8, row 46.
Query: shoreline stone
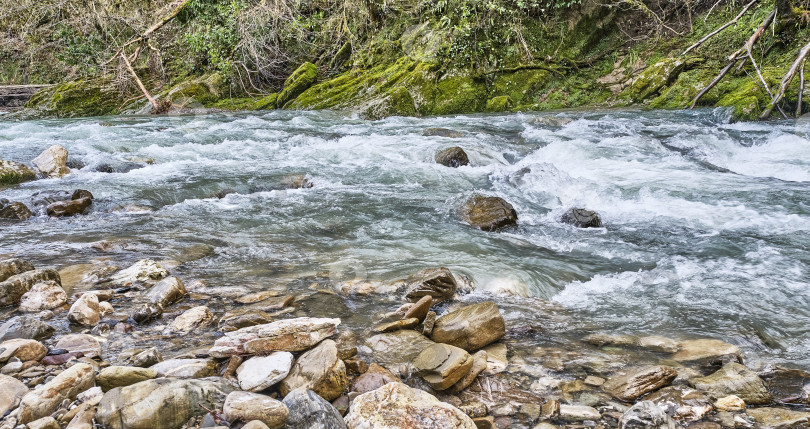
column 406, row 408
column 291, row 335
column 471, row 327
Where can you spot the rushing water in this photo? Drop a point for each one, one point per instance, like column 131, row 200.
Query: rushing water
column 706, row 222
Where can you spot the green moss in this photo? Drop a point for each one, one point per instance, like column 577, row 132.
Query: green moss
column 266, row 103
column 654, row 78
column 234, row 104
column 681, row 93
column 298, row 82
column 398, row 103
column 746, row 99
column 206, row 90
column 458, row 93
column 521, row 86
column 501, row 103
column 84, row 97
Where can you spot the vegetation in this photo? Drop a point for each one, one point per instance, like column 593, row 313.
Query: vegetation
column 385, row 57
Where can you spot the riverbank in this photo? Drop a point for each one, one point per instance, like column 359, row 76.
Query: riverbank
column 590, row 55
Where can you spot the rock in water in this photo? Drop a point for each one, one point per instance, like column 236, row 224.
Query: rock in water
column 12, row 267
column 442, row 365
column 143, row 271
column 310, row 411
column 12, row 173
column 709, row 354
column 15, row 211
column 646, row 415
column 471, row 327
column 78, row 203
column 291, row 335
column 635, row 384
column 452, row 157
column 787, row 386
column 682, row 402
column 166, row 292
column 405, row 408
column 397, row 349
column 161, row 403
column 11, row 392
column 45, row 400
column 779, row 418
column 373, row 379
column 582, row 218
column 262, row 372
column 43, row 296
column 53, row 162
column 13, row 288
column 247, row 406
column 735, row 379
column 192, row 319
column 85, row 310
column 437, row 283
column 442, row 132
column 488, row 213
column 25, row 327
column 319, row 370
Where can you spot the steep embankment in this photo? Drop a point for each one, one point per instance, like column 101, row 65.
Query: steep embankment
column 406, row 58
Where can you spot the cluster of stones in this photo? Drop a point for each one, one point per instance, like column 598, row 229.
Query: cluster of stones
column 437, row 361
column 494, row 213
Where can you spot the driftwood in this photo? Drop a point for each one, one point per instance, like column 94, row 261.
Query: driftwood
column 801, row 90
column 151, row 99
column 799, row 63
column 721, row 28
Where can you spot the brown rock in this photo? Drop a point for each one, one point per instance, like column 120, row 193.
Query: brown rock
column 22, row 349
column 438, row 283
column 15, row 211
column 452, row 157
column 88, row 345
column 11, row 391
column 373, row 379
column 43, row 296
column 443, row 365
column 397, row 325
column 420, row 309
column 45, row 400
column 85, row 311
column 69, row 208
column 478, row 366
column 488, row 213
column 289, row 335
column 735, row 379
column 429, row 323
column 471, row 327
column 637, row 383
column 318, row 370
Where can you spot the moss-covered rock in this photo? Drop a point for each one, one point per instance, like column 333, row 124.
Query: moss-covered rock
column 398, row 103
column 266, row 103
column 746, row 100
column 522, row 87
column 85, row 97
column 298, row 82
column 12, row 173
column 655, row 77
column 501, row 103
column 206, row 90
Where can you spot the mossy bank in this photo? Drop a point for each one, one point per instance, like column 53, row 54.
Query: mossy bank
column 454, row 57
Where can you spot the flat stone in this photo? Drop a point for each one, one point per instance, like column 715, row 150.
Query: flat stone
column 143, row 271
column 419, row 310
column 119, row 376
column 578, row 413
column 243, row 318
column 14, row 287
column 779, row 418
column 318, row 370
column 488, row 213
column 592, row 380
column 442, row 365
column 707, row 353
column 289, row 335
column 12, row 267
column 659, row 344
column 247, row 406
column 397, row 325
column 163, row 403
column 639, row 382
column 478, row 366
column 787, row 386
column 405, row 408
column 193, row 319
column 25, row 327
column 396, row 350
column 185, row 368
column 42, row 402
column 471, row 327
column 85, row 311
column 262, row 372
column 22, row 349
column 43, row 296
column 735, row 379
column 437, row 283
column 88, row 345
column 496, row 358
column 11, row 392
column 310, row 411
column 730, row 403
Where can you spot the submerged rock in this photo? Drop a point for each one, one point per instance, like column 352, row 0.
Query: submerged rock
column 290, row 335
column 682, row 403
column 735, row 379
column 779, row 418
column 143, row 271
column 488, row 213
column 437, row 283
column 707, row 353
column 247, row 406
column 442, row 365
column 15, row 211
column 442, row 132
column 582, row 218
column 45, row 400
column 12, row 173
column 452, row 157
column 319, row 370
column 787, row 386
column 405, row 408
column 635, row 384
column 43, row 296
column 471, row 327
column 310, row 411
column 14, row 287
column 78, row 203
column 162, row 403
column 53, row 162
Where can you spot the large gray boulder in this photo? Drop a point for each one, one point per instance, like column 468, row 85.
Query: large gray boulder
column 310, row 411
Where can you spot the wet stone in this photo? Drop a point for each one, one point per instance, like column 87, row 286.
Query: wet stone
column 45, row 295
column 452, row 157
column 471, row 327
column 646, row 415
column 707, row 353
column 247, row 406
column 637, row 383
column 397, row 325
column 437, row 283
column 582, row 218
column 488, row 213
column 25, row 327
column 262, row 372
column 682, row 403
column 15, row 211
column 442, row 365
column 185, row 368
column 374, row 378
column 319, row 370
column 735, row 379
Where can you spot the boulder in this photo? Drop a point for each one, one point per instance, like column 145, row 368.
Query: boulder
column 735, row 379
column 14, row 211
column 146, row 358
column 192, row 319
column 405, row 408
column 298, row 82
column 161, row 403
column 779, row 418
column 12, row 267
column 53, row 162
column 637, row 383
column 319, row 370
column 310, row 411
column 682, row 403
column 646, row 415
column 442, row 365
column 787, row 386
column 582, row 218
column 707, row 353
column 85, row 344
column 397, row 349
column 488, row 213
column 247, row 406
column 12, row 173
column 120, row 376
column 45, row 295
column 374, row 378
column 85, row 310
column 289, row 335
column 11, row 392
column 22, row 349
column 452, row 157
column 437, row 283
column 143, row 271
column 14, row 287
column 72, row 207
column 45, row 400
column 25, row 327
column 185, row 368
column 471, row 327
column 262, row 372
